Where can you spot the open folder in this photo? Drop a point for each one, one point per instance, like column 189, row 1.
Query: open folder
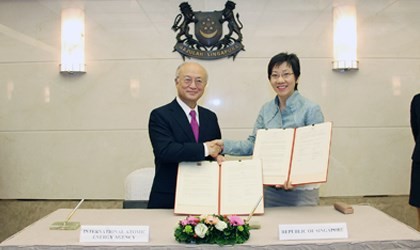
column 207, row 188
column 300, row 155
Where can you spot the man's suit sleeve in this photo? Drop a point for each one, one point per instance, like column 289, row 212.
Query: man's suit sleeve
column 415, row 126
column 414, row 118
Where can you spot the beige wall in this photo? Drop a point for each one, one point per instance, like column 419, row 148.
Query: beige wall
column 78, row 137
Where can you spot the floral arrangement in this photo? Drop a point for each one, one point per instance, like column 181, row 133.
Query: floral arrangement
column 212, row 229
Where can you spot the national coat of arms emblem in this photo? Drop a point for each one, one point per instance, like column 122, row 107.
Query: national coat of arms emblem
column 208, row 42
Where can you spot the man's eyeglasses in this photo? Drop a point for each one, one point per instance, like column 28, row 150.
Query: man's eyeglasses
column 187, row 81
column 285, row 75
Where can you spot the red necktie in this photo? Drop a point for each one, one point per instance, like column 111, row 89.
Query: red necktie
column 194, row 124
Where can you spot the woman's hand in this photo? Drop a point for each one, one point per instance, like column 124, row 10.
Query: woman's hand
column 220, row 159
column 286, row 186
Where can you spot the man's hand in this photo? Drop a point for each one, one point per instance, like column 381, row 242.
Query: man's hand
column 220, row 143
column 214, row 148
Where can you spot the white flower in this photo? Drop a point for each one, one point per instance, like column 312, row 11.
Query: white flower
column 221, row 225
column 203, row 216
column 200, row 229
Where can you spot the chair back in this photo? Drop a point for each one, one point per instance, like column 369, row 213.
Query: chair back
column 138, row 185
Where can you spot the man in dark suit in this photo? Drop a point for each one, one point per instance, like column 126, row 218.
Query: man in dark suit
column 172, row 136
column 414, row 199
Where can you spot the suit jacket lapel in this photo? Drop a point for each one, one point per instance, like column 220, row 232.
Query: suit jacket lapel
column 204, row 123
column 180, row 117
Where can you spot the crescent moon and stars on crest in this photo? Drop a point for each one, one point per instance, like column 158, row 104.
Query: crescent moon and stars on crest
column 207, row 29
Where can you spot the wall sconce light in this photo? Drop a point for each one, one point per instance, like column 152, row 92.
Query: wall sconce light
column 72, row 41
column 345, row 38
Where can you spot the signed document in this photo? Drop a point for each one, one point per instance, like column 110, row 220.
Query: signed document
column 300, row 155
column 207, row 188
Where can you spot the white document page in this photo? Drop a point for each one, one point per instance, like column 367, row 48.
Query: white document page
column 197, row 188
column 311, row 153
column 274, row 147
column 241, row 187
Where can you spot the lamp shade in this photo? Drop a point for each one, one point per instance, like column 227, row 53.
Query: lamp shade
column 72, row 40
column 345, row 38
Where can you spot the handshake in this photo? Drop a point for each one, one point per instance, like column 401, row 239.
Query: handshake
column 215, row 147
